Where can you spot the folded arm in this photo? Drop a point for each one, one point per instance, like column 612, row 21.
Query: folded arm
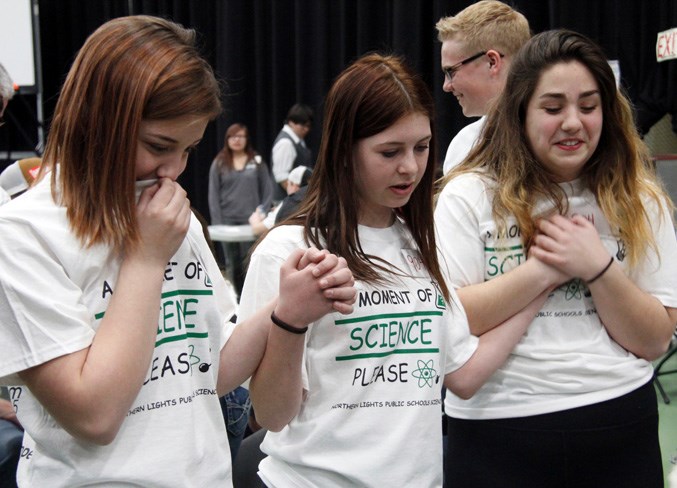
column 492, row 351
column 89, row 392
column 492, row 302
column 312, row 284
column 633, row 318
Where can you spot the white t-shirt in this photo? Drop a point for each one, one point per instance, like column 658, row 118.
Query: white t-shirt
column 462, row 143
column 373, row 379
column 4, row 197
column 567, row 358
column 284, row 154
column 53, row 294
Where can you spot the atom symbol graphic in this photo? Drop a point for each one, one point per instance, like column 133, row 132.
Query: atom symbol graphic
column 425, row 373
column 573, row 290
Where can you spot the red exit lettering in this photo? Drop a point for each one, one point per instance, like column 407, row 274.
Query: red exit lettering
column 666, row 45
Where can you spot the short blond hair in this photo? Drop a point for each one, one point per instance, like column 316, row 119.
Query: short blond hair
column 488, row 24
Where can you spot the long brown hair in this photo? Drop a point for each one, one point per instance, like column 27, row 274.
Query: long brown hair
column 618, row 173
column 224, row 158
column 129, row 69
column 367, row 97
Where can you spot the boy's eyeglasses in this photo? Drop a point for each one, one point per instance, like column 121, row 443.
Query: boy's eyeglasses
column 451, row 70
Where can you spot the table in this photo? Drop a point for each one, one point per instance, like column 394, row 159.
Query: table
column 231, row 233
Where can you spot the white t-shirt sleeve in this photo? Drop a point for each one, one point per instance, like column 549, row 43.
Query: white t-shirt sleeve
column 42, row 312
column 461, row 144
column 461, row 345
column 457, row 223
column 657, row 273
column 4, row 196
column 261, row 284
column 284, row 154
column 226, row 299
column 269, row 221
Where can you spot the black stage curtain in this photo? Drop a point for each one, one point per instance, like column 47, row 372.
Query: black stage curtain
column 273, row 53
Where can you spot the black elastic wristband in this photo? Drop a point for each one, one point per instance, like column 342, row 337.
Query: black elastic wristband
column 599, row 275
column 286, row 326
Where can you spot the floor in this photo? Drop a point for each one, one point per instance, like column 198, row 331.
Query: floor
column 668, row 419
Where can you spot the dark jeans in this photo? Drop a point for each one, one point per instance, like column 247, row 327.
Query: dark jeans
column 235, row 407
column 608, row 444
column 11, row 437
column 236, row 263
column 245, row 470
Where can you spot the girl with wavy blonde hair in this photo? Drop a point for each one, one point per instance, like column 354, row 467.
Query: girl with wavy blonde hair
column 557, row 206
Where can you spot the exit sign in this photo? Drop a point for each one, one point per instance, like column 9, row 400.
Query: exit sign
column 666, row 45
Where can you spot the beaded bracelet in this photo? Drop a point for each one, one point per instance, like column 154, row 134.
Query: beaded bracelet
column 599, row 275
column 286, row 326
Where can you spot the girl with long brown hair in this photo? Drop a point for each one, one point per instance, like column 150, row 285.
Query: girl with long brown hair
column 356, row 399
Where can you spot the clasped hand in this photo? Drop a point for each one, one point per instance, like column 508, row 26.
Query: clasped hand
column 314, row 283
column 163, row 214
column 571, row 245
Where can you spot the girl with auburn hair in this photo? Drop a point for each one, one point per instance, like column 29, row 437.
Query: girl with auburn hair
column 369, row 382
column 114, row 317
column 558, row 196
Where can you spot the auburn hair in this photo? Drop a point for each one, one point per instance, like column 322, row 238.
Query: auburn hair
column 130, row 69
column 369, row 96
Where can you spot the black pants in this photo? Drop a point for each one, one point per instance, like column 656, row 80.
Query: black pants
column 237, row 256
column 608, row 444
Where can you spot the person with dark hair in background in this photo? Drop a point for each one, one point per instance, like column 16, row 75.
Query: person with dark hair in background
column 239, row 184
column 559, row 197
column 297, row 184
column 114, row 315
column 289, row 148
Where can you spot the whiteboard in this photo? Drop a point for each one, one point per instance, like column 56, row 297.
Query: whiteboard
column 17, row 53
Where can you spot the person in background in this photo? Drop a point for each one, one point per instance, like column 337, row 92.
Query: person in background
column 11, row 435
column 559, row 194
column 289, row 148
column 11, row 432
column 7, row 90
column 478, row 45
column 295, row 195
column 114, row 315
column 297, row 184
column 239, row 184
column 355, row 400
